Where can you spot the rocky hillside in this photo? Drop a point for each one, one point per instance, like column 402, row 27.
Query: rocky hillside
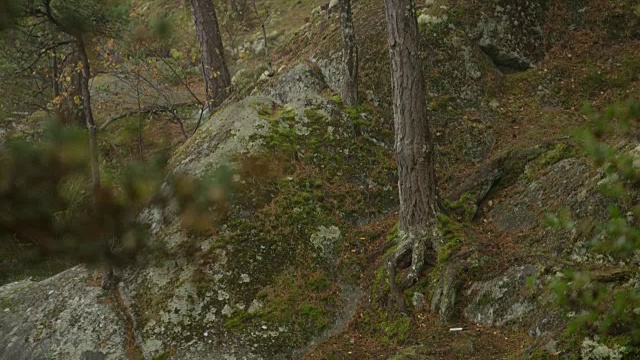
column 292, row 266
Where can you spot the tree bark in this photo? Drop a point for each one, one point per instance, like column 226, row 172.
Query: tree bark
column 262, row 20
column 414, row 147
column 266, row 48
column 107, row 270
column 54, row 79
column 216, row 73
column 349, row 54
column 68, row 112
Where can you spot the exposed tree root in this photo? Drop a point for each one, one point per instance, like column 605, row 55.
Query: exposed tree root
column 417, row 246
column 391, row 263
column 131, row 343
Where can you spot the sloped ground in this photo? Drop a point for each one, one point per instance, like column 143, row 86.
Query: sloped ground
column 505, row 158
column 276, row 269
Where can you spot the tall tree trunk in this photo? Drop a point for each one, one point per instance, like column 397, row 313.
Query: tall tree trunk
column 75, row 89
column 262, row 20
column 216, row 74
column 266, row 48
column 67, row 111
column 350, row 55
column 107, row 269
column 413, row 145
column 54, row 79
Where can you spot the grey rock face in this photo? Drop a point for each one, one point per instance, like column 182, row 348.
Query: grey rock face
column 325, row 240
column 510, row 32
column 455, row 86
column 332, row 70
column 417, row 300
column 592, row 350
column 571, row 180
column 63, row 317
column 299, row 83
column 501, row 300
column 445, row 293
column 228, row 133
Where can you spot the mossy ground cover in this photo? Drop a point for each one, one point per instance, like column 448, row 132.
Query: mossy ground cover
column 314, row 172
column 590, row 56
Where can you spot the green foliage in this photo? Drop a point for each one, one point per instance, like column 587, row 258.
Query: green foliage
column 605, row 309
column 92, row 16
column 9, row 9
column 46, row 206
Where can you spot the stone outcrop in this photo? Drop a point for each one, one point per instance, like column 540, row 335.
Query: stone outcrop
column 64, row 317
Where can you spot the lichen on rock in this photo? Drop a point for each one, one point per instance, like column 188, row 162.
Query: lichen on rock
column 511, row 34
column 65, row 316
column 503, row 299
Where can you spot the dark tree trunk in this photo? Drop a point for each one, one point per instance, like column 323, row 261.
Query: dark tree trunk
column 54, row 79
column 216, row 74
column 75, row 89
column 67, row 111
column 350, row 55
column 413, row 145
column 107, row 270
column 266, row 48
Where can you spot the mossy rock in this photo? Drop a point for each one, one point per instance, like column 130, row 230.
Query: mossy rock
column 266, row 279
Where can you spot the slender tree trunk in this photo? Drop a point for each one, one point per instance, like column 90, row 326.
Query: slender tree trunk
column 107, row 269
column 413, row 145
column 54, row 80
column 75, row 89
column 216, row 73
column 264, row 35
column 67, row 111
column 138, row 98
column 350, row 55
column 266, row 48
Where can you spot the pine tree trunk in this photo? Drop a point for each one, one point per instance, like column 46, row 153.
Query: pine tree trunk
column 107, row 270
column 413, row 144
column 68, row 111
column 216, row 74
column 350, row 55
